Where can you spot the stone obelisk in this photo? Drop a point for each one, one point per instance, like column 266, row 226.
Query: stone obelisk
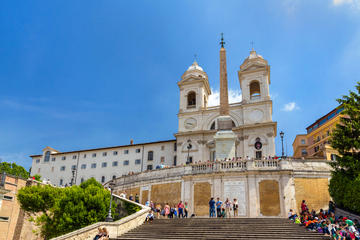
column 224, row 137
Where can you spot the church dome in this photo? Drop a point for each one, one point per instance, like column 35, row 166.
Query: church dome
column 254, row 55
column 195, row 66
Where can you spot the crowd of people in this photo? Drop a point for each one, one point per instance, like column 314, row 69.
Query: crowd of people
column 336, row 227
column 223, row 210
column 180, row 210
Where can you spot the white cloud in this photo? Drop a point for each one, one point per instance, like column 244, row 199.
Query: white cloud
column 291, row 106
column 214, row 99
column 355, row 4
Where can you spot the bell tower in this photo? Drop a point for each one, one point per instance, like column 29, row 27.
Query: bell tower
column 254, row 78
column 194, row 89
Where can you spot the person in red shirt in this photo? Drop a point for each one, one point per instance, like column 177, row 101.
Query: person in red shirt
column 181, row 209
column 304, row 208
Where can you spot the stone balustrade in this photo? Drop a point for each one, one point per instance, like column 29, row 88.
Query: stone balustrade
column 225, row 166
column 115, row 229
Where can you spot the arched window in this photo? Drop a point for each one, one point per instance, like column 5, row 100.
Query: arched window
column 191, row 99
column 47, row 156
column 255, row 90
column 114, row 177
column 213, row 125
column 102, row 179
column 150, row 155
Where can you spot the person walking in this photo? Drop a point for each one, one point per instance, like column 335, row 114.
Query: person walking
column 235, row 207
column 227, row 207
column 212, row 207
column 218, row 207
column 167, row 210
column 186, row 209
column 181, row 209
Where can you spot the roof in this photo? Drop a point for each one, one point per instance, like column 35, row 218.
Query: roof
column 324, row 118
column 104, row 148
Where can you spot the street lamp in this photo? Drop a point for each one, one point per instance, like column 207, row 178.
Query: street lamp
column 73, row 176
column 109, row 217
column 282, row 143
column 189, row 146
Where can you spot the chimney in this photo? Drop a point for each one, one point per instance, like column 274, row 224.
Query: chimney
column 131, row 141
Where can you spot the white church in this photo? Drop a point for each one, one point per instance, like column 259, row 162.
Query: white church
column 252, row 129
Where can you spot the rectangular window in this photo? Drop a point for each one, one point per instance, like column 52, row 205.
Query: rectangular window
column 115, row 163
column 61, row 182
column 137, row 150
column 73, row 167
column 46, row 159
column 258, row 154
column 94, row 155
column 174, row 161
column 115, row 153
column 175, row 147
column 333, row 157
column 126, row 162
column 4, row 219
column 62, row 168
column 104, row 154
column 83, row 166
column 53, row 159
column 104, row 164
column 74, row 157
column 137, row 161
column 303, row 152
column 63, row 158
column 126, row 151
column 9, row 198
column 37, row 160
column 149, row 167
column 84, row 155
column 302, row 141
column 162, row 159
column 162, row 148
column 93, row 165
column 190, row 159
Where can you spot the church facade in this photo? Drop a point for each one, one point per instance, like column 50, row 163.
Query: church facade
column 251, row 122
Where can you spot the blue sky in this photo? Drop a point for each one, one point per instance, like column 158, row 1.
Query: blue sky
column 84, row 74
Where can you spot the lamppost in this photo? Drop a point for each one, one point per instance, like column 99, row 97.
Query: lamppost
column 109, row 217
column 73, row 176
column 282, row 143
column 189, row 146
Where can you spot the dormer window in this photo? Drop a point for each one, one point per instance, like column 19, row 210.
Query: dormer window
column 191, row 100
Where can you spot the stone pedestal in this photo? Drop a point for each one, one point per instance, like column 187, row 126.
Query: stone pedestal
column 225, row 144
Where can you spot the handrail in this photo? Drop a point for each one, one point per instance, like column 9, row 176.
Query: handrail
column 115, row 228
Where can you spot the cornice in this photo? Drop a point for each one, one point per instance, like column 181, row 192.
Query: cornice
column 233, row 106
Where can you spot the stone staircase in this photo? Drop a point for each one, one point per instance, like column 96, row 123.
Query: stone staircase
column 213, row 228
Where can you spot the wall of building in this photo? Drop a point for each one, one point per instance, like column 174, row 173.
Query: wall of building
column 136, row 155
column 314, row 191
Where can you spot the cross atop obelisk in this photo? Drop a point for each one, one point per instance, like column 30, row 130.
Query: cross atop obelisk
column 224, row 100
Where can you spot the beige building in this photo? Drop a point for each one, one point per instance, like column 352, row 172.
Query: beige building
column 14, row 224
column 300, row 145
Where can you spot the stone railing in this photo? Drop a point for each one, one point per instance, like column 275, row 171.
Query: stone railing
column 285, row 164
column 115, row 229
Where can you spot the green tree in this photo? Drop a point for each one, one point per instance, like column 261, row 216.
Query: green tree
column 13, row 169
column 62, row 210
column 344, row 185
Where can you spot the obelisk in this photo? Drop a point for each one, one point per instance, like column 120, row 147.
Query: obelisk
column 224, row 137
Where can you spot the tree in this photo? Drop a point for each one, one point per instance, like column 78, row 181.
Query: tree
column 344, row 185
column 62, row 210
column 13, row 169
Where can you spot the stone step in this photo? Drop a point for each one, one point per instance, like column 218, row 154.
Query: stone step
column 215, row 228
